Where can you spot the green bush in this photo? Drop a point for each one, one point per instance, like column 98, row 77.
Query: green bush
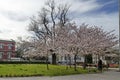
column 22, row 62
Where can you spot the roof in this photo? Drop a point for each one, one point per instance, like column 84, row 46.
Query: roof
column 7, row 41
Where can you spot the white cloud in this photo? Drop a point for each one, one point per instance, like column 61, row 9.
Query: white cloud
column 107, row 21
column 21, row 6
column 10, row 29
column 84, row 6
column 14, row 15
column 80, row 6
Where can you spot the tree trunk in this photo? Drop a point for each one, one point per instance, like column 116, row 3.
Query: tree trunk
column 75, row 62
column 84, row 64
column 47, row 63
column 53, row 58
column 69, row 60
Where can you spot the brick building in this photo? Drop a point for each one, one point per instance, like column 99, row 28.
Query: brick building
column 7, row 49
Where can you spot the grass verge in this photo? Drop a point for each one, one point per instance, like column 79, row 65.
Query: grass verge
column 21, row 70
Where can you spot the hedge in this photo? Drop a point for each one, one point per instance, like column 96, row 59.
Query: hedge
column 22, row 62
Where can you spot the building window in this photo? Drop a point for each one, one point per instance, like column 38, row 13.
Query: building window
column 78, row 57
column 9, row 55
column 10, row 46
column 1, row 54
column 1, row 46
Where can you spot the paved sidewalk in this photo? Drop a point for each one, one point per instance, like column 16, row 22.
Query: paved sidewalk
column 109, row 75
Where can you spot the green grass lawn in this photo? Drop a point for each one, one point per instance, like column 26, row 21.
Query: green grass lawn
column 9, row 70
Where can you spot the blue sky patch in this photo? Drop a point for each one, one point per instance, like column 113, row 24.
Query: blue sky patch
column 108, row 6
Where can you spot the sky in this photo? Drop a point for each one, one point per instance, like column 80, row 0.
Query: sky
column 15, row 15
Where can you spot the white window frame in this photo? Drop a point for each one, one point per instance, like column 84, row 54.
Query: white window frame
column 1, row 55
column 1, row 45
column 9, row 55
column 10, row 46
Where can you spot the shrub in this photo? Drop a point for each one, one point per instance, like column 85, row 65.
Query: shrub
column 22, row 62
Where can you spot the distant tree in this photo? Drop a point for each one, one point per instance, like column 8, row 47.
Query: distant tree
column 22, row 46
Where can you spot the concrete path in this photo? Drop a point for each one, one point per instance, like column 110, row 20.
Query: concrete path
column 109, row 75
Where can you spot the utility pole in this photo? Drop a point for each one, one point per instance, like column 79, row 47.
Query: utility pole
column 119, row 31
